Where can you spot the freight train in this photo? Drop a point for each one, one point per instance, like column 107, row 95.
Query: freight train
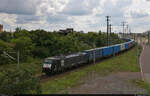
column 60, row 63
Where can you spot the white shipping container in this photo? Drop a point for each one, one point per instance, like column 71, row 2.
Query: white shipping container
column 122, row 47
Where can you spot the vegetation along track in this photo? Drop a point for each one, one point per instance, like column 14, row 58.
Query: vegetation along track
column 45, row 77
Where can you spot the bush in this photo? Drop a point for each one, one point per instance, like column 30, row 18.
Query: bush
column 41, row 52
column 14, row 82
column 4, row 47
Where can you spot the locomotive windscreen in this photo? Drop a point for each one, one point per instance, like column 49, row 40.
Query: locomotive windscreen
column 48, row 61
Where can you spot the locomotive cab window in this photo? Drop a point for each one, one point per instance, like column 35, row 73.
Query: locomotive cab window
column 48, row 61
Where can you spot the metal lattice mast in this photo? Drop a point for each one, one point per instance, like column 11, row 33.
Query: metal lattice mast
column 107, row 19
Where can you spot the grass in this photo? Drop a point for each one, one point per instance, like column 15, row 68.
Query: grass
column 142, row 84
column 125, row 62
column 34, row 65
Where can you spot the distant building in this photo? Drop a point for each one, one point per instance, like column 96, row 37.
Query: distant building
column 66, row 31
column 80, row 31
column 69, row 29
column 1, row 28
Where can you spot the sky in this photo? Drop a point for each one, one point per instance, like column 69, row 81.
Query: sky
column 85, row 15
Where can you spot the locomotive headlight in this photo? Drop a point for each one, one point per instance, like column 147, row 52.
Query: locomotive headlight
column 44, row 65
column 47, row 65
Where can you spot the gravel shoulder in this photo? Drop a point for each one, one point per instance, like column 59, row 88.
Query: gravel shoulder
column 115, row 83
column 145, row 63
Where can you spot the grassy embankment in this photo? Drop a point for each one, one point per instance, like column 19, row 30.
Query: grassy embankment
column 34, row 65
column 125, row 62
column 142, row 84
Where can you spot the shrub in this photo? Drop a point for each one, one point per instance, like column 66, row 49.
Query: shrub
column 23, row 82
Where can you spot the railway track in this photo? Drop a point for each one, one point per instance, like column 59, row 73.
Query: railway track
column 44, row 77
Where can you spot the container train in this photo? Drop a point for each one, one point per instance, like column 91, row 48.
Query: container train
column 60, row 63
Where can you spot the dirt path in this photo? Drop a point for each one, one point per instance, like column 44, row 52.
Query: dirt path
column 115, row 83
column 145, row 62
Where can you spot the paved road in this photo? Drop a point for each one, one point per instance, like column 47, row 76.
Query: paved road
column 145, row 62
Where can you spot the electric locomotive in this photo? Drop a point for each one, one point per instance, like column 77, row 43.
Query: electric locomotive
column 59, row 63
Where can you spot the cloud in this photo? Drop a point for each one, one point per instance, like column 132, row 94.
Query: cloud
column 7, row 20
column 51, row 6
column 23, row 19
column 86, row 15
column 79, row 7
column 139, row 9
column 140, row 14
column 57, row 18
column 18, row 6
column 114, row 8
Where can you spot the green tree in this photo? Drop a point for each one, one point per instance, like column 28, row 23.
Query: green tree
column 4, row 47
column 23, row 82
column 21, row 33
column 40, row 43
column 5, row 36
column 24, row 46
column 41, row 52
